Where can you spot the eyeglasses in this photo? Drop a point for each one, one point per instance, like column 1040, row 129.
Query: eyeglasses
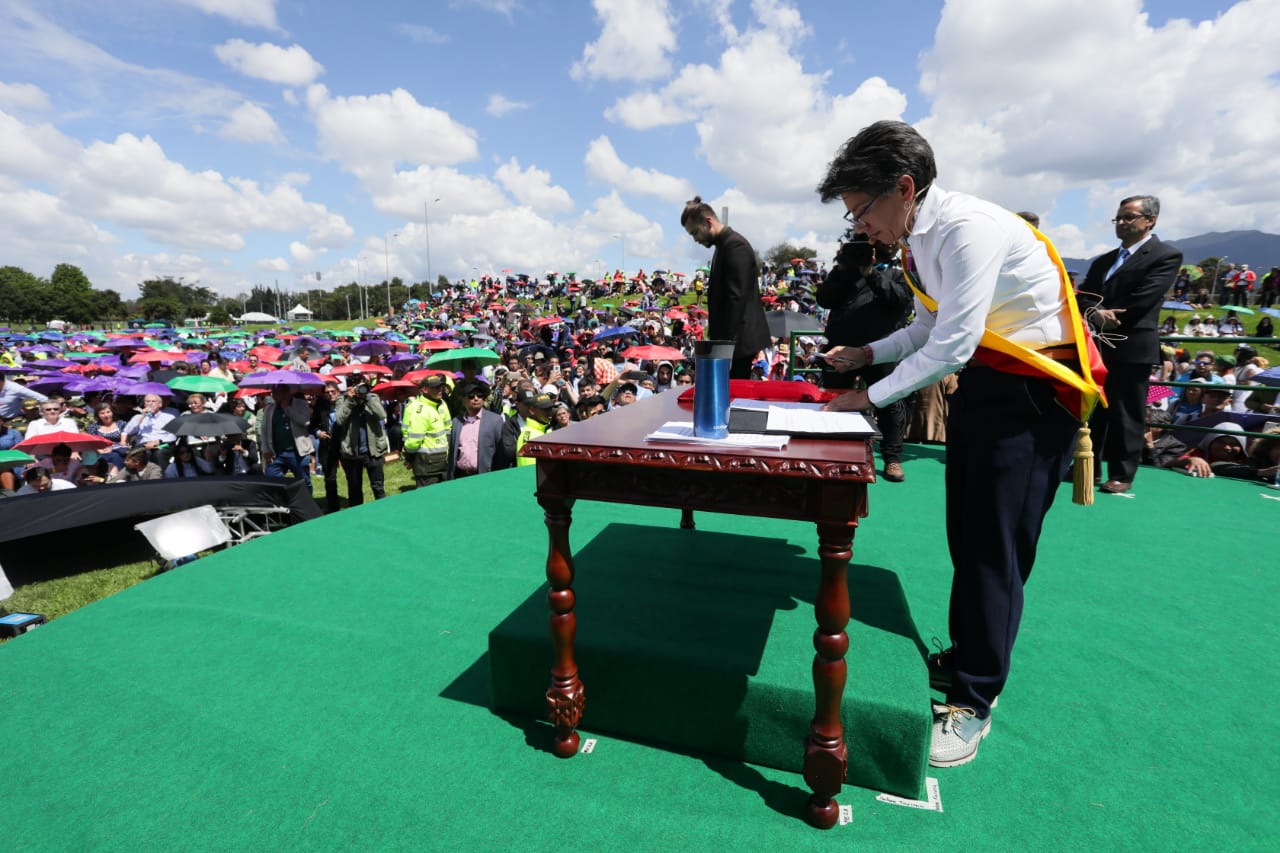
column 1203, row 363
column 856, row 220
column 51, row 411
column 1129, row 217
column 477, row 394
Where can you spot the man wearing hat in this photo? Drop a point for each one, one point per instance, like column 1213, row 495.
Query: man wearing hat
column 535, row 425
column 427, row 423
column 475, row 440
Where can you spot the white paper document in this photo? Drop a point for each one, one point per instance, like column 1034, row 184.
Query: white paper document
column 682, row 431
column 805, row 418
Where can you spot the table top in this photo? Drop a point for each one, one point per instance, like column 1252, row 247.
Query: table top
column 618, row 437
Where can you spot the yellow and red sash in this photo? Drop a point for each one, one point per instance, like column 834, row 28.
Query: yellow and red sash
column 1078, row 392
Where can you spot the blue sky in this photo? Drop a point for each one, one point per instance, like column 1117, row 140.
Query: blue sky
column 240, row 141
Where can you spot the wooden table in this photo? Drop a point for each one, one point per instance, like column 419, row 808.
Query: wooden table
column 607, row 459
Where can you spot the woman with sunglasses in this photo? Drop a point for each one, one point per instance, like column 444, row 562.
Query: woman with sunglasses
column 974, row 268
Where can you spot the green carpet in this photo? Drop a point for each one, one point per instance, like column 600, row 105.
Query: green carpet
column 326, row 688
column 704, row 641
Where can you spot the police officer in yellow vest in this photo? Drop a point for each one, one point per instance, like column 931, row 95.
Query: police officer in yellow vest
column 426, row 425
column 537, row 424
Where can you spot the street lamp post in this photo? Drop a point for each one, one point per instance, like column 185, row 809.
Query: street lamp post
column 386, row 260
column 622, row 242
column 426, row 221
column 1213, row 285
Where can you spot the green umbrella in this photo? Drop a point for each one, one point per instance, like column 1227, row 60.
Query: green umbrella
column 201, row 384
column 465, row 327
column 706, row 270
column 445, row 358
column 10, row 459
column 156, row 326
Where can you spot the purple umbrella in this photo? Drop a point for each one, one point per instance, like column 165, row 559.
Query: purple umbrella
column 49, row 364
column 404, row 358
column 125, row 343
column 372, row 348
column 141, row 389
column 276, row 378
column 49, row 383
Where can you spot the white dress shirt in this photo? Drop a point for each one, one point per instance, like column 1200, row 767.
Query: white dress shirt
column 986, row 269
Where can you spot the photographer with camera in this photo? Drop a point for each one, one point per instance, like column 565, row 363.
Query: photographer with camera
column 361, row 422
column 868, row 298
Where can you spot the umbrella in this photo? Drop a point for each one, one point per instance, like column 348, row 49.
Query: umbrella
column 419, row 375
column 783, row 323
column 157, row 356
column 10, row 459
column 1274, row 312
column 266, row 353
column 1249, row 422
column 1270, row 376
column 74, row 440
column 426, row 346
column 371, row 348
column 1193, row 272
column 358, row 367
column 276, row 378
column 452, row 357
column 202, row 385
column 1239, row 309
column 614, row 333
column 141, row 389
column 1177, row 306
column 403, row 358
column 1155, row 393
column 465, row 327
column 653, row 353
column 395, row 388
column 208, row 423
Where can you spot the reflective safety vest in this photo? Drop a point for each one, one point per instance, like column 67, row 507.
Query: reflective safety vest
column 426, row 426
column 532, row 429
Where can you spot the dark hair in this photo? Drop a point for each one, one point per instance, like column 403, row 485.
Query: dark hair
column 1159, row 417
column 695, row 208
column 1033, row 218
column 874, row 159
column 1150, row 204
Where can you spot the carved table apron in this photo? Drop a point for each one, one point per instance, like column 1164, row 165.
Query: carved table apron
column 607, row 459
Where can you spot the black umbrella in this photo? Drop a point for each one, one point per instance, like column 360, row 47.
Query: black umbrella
column 208, row 423
column 783, row 323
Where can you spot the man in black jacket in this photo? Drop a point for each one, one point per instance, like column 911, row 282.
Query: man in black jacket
column 868, row 298
column 734, row 310
column 1121, row 297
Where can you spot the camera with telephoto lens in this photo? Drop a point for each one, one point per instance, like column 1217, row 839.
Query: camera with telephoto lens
column 362, row 390
column 857, row 254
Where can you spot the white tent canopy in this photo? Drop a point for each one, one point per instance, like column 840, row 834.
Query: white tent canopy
column 255, row 317
column 299, row 312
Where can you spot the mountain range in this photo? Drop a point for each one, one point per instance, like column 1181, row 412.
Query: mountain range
column 1259, row 250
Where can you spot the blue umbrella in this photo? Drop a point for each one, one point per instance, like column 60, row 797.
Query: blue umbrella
column 1177, row 306
column 1274, row 312
column 1270, row 376
column 614, row 333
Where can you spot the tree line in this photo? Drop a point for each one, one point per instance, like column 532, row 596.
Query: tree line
column 30, row 300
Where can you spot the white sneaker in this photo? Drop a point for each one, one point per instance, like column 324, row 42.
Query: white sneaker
column 957, row 731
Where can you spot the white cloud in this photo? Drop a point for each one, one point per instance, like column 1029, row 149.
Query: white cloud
column 637, row 38
column 775, row 157
column 499, row 105
column 421, row 34
column 330, row 231
column 367, row 131
column 403, row 193
column 25, row 96
column 603, row 162
column 289, row 66
column 33, row 152
column 532, row 186
column 302, row 253
column 273, row 265
column 251, row 123
column 1175, row 109
column 254, row 13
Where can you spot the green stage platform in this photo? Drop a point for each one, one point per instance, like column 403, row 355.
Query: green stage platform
column 328, row 688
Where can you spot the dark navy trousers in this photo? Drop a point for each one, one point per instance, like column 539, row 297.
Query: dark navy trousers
column 1008, row 446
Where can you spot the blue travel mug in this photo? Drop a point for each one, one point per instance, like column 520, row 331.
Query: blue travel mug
column 711, row 361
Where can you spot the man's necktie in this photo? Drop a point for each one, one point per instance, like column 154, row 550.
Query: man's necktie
column 1120, row 259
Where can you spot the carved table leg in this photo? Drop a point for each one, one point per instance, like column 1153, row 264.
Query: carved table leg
column 565, row 696
column 826, row 755
column 686, row 519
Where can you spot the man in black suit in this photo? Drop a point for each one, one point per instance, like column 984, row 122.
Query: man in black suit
column 1121, row 297
column 734, row 310
column 475, row 439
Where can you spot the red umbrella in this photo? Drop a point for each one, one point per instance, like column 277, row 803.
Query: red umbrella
column 250, row 392
column 695, row 311
column 676, row 314
column 267, row 353
column 347, row 369
column 654, row 352
column 156, row 356
column 426, row 346
column 74, row 440
column 395, row 388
